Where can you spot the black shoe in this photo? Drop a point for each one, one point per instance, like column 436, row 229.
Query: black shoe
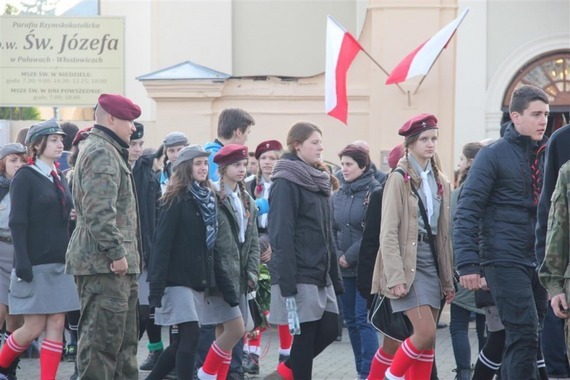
column 75, row 374
column 283, row 358
column 11, row 371
column 252, row 365
column 441, row 325
column 150, row 360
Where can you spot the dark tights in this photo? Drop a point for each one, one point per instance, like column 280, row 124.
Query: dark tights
column 146, row 323
column 179, row 354
column 315, row 337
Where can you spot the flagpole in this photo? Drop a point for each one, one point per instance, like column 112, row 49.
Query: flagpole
column 381, row 68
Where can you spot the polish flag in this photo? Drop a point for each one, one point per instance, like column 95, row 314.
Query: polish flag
column 342, row 48
column 420, row 61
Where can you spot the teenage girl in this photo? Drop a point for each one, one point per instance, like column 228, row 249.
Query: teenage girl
column 39, row 288
column 181, row 263
column 236, row 262
column 407, row 271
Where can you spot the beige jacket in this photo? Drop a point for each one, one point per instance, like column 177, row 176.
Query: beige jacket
column 396, row 259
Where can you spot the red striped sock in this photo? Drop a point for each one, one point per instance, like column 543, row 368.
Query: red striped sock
column 225, row 367
column 50, row 356
column 380, row 364
column 285, row 338
column 214, row 359
column 10, row 351
column 406, row 355
column 421, row 368
column 255, row 342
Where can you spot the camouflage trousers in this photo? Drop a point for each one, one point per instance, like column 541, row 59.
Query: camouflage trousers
column 108, row 327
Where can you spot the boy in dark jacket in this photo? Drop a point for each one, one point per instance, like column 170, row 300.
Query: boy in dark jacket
column 494, row 228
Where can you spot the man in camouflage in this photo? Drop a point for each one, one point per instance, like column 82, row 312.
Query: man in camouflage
column 103, row 253
column 554, row 270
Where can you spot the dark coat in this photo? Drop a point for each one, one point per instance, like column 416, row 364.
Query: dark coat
column 557, row 153
column 496, row 215
column 180, row 256
column 148, row 193
column 235, row 263
column 302, row 241
column 349, row 208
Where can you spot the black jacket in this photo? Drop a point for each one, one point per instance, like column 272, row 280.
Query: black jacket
column 300, row 231
column 349, row 207
column 496, row 215
column 557, row 153
column 148, row 193
column 180, row 256
column 39, row 230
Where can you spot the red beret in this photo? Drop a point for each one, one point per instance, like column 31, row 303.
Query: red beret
column 231, row 153
column 267, row 146
column 119, row 106
column 81, row 135
column 418, row 124
column 395, row 154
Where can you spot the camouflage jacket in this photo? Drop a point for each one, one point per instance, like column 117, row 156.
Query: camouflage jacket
column 106, row 207
column 555, row 271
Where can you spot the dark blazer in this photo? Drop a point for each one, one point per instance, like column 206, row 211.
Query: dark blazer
column 180, row 256
column 496, row 216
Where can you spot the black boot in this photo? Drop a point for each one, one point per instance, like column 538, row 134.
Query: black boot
column 150, row 360
column 252, row 365
column 11, row 372
column 283, row 358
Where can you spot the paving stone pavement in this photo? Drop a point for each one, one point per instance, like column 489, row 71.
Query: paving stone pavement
column 335, row 363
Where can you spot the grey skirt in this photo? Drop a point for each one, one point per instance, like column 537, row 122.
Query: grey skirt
column 50, row 292
column 426, row 289
column 312, row 301
column 178, row 306
column 6, row 264
column 144, row 288
column 213, row 310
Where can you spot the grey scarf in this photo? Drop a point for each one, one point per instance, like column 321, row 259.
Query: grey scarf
column 303, row 174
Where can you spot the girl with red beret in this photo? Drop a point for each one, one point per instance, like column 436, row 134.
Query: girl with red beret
column 236, row 262
column 414, row 266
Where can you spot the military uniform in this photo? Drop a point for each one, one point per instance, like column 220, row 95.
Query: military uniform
column 554, row 272
column 107, row 230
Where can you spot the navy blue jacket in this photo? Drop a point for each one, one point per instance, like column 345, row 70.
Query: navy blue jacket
column 496, row 214
column 557, row 153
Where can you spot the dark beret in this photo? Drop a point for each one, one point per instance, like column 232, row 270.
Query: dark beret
column 81, row 135
column 139, row 133
column 395, row 154
column 418, row 124
column 119, row 106
column 230, row 153
column 267, row 146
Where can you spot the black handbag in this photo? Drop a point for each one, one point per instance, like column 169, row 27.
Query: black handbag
column 396, row 326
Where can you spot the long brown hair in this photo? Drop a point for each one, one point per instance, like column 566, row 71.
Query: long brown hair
column 179, row 181
column 299, row 133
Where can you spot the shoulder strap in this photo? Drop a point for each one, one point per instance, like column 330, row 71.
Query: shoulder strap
column 425, row 219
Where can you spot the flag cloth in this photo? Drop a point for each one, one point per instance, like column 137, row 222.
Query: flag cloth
column 341, row 48
column 421, row 59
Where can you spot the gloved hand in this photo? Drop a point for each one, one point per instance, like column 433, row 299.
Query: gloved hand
column 25, row 273
column 155, row 295
column 262, row 205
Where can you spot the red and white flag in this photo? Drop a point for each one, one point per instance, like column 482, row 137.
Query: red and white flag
column 342, row 48
column 421, row 59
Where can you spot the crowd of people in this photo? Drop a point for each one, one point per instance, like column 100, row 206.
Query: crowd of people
column 108, row 239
